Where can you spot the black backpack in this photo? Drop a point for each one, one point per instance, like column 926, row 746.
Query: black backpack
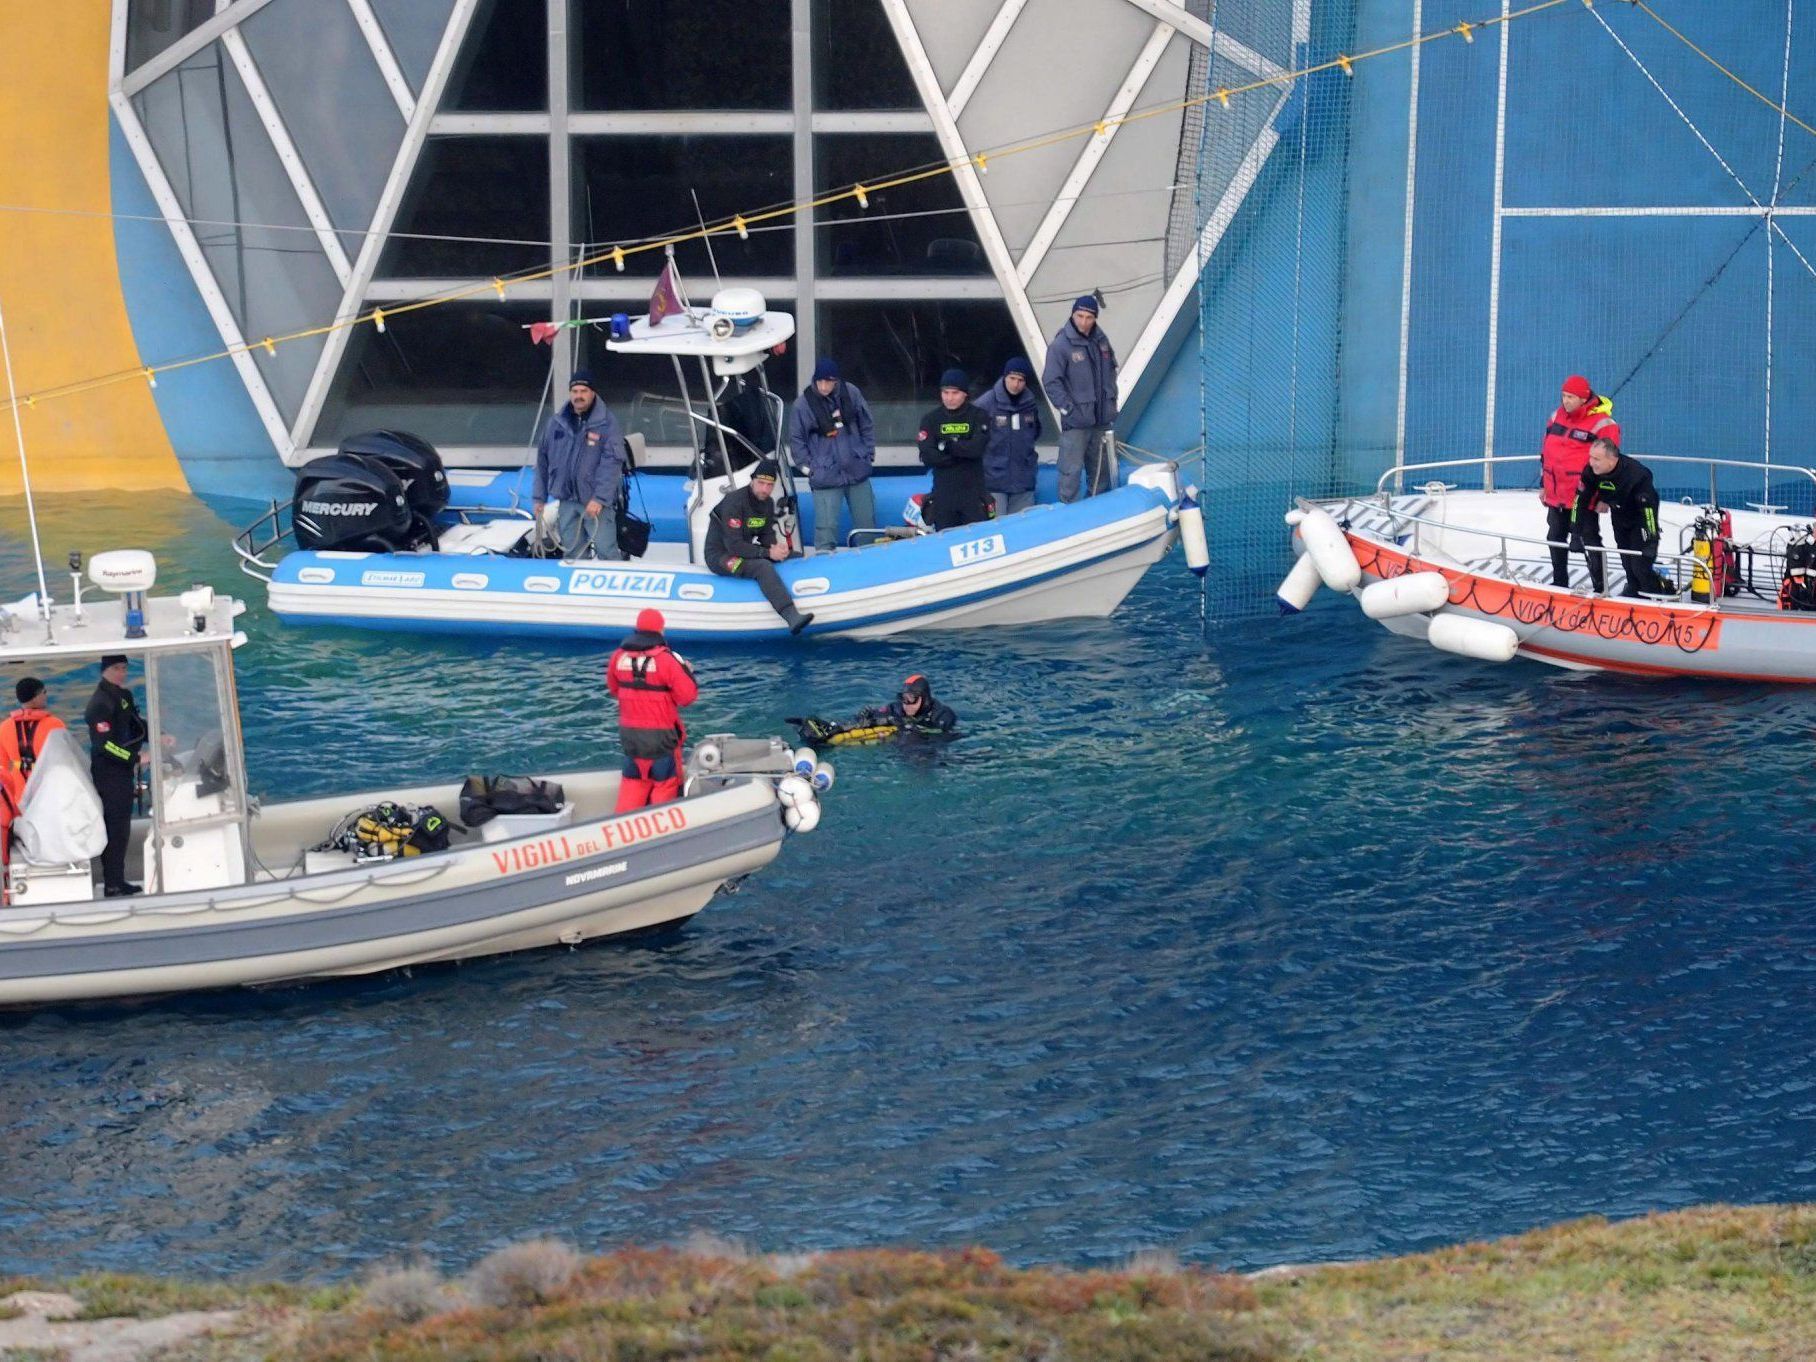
column 483, row 798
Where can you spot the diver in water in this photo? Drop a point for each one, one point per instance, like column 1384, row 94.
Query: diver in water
column 917, row 711
column 913, row 713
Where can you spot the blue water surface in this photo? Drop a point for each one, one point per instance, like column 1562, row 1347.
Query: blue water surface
column 1286, row 941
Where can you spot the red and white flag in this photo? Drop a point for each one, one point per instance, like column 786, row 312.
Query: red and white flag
column 543, row 333
column 665, row 301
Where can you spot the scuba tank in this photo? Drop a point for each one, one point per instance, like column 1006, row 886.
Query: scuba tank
column 1715, row 571
column 1702, row 550
column 1798, row 589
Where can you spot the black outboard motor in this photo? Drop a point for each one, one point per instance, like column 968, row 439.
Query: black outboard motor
column 344, row 501
column 417, row 466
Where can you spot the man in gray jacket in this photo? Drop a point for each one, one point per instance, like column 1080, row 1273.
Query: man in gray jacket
column 1080, row 380
column 580, row 463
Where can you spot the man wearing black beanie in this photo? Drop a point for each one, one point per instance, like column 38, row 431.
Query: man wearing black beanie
column 952, row 441
column 116, row 732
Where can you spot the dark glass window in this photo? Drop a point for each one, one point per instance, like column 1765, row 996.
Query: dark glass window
column 153, row 25
column 857, row 63
column 488, row 191
column 504, row 62
column 896, row 352
column 463, row 373
column 681, row 54
column 630, row 188
column 919, row 228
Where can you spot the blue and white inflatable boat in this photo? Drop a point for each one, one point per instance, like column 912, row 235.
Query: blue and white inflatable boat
column 1049, row 562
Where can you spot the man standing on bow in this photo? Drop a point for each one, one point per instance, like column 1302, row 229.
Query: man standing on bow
column 652, row 685
column 1581, row 418
column 1080, row 379
column 580, row 464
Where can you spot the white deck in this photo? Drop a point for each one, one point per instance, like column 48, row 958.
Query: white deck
column 1489, row 532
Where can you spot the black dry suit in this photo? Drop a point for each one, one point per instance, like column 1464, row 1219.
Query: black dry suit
column 1632, row 502
column 952, row 444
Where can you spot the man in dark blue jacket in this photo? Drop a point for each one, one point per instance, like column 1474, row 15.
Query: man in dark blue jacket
column 833, row 437
column 1010, row 459
column 580, row 463
column 1080, row 379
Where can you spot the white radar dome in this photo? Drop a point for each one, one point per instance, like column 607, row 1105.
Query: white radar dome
column 123, row 570
column 744, row 306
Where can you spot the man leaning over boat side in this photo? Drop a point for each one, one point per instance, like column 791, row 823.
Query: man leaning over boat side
column 580, row 464
column 741, row 541
column 652, row 685
column 1581, row 416
column 1080, row 379
column 1624, row 486
column 833, row 436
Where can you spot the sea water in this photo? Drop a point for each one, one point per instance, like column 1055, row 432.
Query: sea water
column 1286, row 940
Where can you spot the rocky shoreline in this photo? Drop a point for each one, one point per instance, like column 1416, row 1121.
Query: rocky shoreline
column 1712, row 1283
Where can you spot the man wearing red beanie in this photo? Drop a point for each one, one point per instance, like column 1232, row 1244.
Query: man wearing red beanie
column 1581, row 418
column 652, row 685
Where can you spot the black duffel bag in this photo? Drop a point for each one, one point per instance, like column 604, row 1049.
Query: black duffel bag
column 483, row 798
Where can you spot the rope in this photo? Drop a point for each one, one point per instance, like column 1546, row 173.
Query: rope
column 1777, row 108
column 741, row 223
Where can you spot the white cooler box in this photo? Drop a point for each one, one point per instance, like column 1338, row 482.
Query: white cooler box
column 507, row 826
column 36, row 884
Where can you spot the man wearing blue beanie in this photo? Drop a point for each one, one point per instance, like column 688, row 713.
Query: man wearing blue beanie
column 580, row 464
column 1010, row 458
column 833, row 436
column 951, row 443
column 1080, row 379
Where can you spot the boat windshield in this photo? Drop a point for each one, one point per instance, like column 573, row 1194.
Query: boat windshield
column 196, row 757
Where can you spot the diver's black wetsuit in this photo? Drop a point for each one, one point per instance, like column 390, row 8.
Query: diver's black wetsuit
column 1632, row 501
column 933, row 718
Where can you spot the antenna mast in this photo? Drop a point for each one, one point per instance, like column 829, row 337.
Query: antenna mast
column 25, row 476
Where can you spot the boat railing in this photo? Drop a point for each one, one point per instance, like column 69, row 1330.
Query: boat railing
column 1399, row 471
column 271, row 529
column 1681, row 565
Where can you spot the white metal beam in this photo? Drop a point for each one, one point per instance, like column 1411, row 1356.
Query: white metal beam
column 1185, row 280
column 191, row 43
column 1093, row 152
column 234, row 42
column 116, row 46
column 806, row 240
column 965, row 175
column 365, row 264
column 1217, row 40
column 681, row 122
column 388, row 68
column 191, row 251
column 1739, row 210
column 967, row 83
column 561, row 186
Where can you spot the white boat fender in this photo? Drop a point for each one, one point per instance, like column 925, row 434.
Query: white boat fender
column 1470, row 637
column 794, row 792
column 1294, row 516
column 803, row 819
column 708, row 756
column 804, row 760
column 822, row 777
column 1300, row 586
column 1326, row 546
column 1191, row 533
column 1411, row 593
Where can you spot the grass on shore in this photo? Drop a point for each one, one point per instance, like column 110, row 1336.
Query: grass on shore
column 1710, row 1284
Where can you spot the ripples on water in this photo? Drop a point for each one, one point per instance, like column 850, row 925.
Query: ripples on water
column 1296, row 943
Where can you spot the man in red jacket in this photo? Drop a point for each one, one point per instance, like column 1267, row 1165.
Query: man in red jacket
column 652, row 686
column 1581, row 419
column 22, row 735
